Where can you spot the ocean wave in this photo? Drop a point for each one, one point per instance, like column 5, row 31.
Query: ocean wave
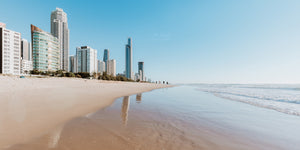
column 282, row 98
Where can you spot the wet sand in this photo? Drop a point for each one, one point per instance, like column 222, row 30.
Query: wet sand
column 31, row 108
column 109, row 129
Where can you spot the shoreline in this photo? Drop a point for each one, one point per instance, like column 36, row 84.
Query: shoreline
column 175, row 118
column 166, row 122
column 31, row 107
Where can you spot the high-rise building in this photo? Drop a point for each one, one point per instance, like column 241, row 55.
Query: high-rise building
column 25, row 50
column 141, row 71
column 72, row 64
column 10, row 51
column 106, row 58
column 59, row 29
column 111, row 70
column 26, row 55
column 45, row 50
column 101, row 66
column 128, row 59
column 86, row 59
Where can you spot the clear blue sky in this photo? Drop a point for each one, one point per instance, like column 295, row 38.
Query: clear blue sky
column 182, row 41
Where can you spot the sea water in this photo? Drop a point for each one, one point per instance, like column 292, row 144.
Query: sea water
column 281, row 97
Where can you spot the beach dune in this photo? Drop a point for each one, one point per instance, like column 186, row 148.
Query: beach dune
column 31, row 107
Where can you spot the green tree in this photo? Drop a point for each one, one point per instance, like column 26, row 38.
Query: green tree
column 78, row 76
column 36, row 72
column 70, row 74
column 84, row 74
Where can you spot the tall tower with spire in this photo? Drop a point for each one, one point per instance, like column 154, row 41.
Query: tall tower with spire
column 128, row 59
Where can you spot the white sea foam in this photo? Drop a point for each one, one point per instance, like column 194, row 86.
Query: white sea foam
column 283, row 98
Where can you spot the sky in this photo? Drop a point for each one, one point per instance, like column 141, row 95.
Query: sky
column 180, row 41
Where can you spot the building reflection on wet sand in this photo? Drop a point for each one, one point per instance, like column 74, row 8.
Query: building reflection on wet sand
column 54, row 136
column 125, row 109
column 88, row 131
column 139, row 98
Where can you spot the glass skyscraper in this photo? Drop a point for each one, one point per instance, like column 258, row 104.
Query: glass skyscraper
column 45, row 50
column 128, row 59
column 106, row 58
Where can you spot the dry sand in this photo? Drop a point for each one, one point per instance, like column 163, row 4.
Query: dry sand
column 31, row 107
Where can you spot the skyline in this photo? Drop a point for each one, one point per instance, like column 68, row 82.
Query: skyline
column 182, row 42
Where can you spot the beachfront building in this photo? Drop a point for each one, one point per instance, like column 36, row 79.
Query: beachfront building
column 111, row 67
column 26, row 53
column 45, row 50
column 101, row 66
column 26, row 66
column 86, row 58
column 72, row 63
column 10, row 51
column 128, row 60
column 106, row 58
column 59, row 29
column 26, row 57
column 141, row 71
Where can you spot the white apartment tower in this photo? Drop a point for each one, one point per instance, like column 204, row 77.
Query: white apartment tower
column 111, row 67
column 101, row 66
column 59, row 29
column 86, row 58
column 26, row 66
column 10, row 51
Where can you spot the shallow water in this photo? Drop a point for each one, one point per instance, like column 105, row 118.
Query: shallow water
column 175, row 118
column 281, row 97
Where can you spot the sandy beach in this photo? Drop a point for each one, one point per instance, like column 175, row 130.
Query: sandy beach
column 175, row 118
column 31, row 107
column 65, row 113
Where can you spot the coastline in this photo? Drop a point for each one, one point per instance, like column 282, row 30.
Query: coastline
column 175, row 118
column 31, row 107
